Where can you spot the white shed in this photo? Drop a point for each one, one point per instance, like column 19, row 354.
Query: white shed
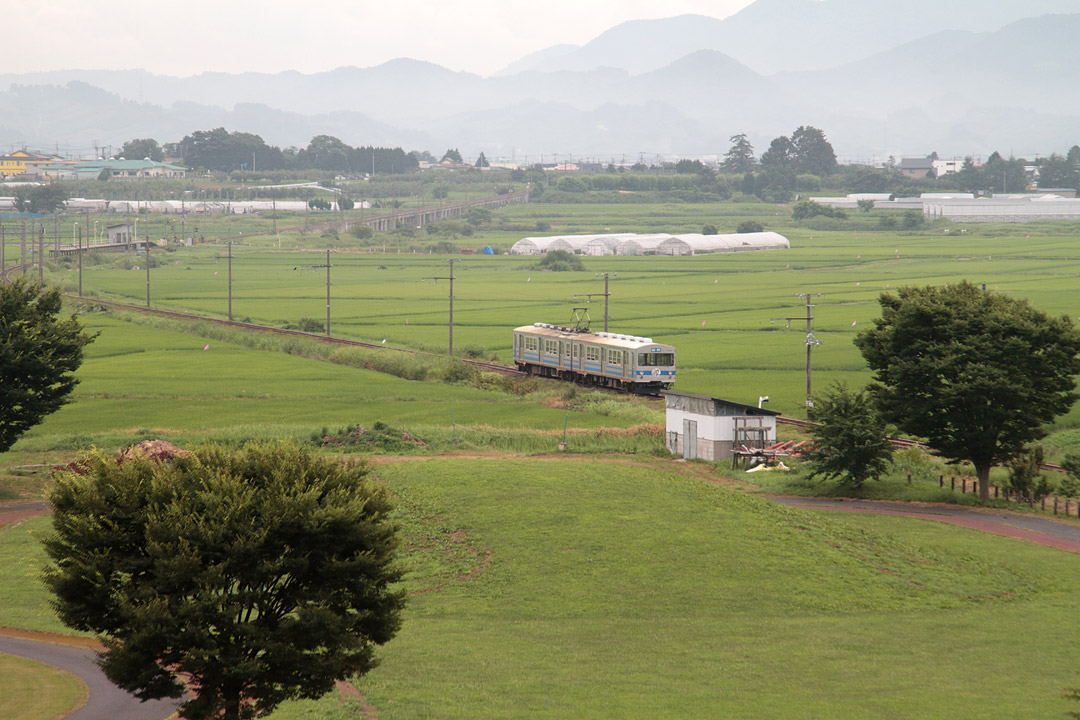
column 711, row 429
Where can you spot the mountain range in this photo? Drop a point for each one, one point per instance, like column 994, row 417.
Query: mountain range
column 963, row 77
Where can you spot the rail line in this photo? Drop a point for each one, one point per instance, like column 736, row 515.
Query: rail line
column 481, row 364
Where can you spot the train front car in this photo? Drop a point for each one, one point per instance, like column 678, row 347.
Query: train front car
column 622, row 362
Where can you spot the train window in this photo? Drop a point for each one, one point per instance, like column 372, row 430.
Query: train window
column 566, row 349
column 592, row 353
column 551, row 346
column 614, row 357
column 656, row 359
column 577, row 351
column 531, row 343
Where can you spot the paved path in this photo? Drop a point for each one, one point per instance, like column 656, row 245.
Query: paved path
column 1064, row 536
column 106, row 701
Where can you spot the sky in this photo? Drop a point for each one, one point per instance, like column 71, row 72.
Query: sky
column 182, row 39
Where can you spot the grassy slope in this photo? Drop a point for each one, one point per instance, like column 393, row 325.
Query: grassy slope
column 616, row 591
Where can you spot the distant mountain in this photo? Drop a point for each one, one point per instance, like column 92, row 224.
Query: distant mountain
column 642, row 87
column 775, row 35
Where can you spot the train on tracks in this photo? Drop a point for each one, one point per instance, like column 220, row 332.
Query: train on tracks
column 611, row 360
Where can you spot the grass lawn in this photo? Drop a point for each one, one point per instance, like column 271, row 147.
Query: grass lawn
column 622, row 591
column 33, row 691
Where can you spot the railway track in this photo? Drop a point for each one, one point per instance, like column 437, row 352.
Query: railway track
column 484, row 365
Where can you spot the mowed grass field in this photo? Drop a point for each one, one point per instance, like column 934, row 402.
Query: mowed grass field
column 589, row 590
column 640, row 589
column 34, row 691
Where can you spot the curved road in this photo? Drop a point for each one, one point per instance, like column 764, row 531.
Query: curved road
column 1025, row 527
column 106, row 701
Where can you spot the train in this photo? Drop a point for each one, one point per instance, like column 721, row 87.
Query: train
column 603, row 359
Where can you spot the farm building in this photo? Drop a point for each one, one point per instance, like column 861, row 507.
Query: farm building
column 651, row 244
column 712, row 429
column 641, row 244
column 697, row 244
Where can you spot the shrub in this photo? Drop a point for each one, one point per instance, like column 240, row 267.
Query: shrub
column 750, row 226
column 560, row 261
column 710, row 229
column 362, row 232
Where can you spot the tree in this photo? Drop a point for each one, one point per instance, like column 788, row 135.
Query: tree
column 1070, row 484
column 452, row 155
column 41, row 199
column 780, row 155
column 142, row 148
column 263, row 575
column 812, row 152
column 1025, row 474
column 809, row 209
column 482, row 161
column 345, row 203
column 709, row 229
column 740, row 156
column 38, row 354
column 1059, row 172
column 851, row 443
column 975, row 373
column 865, row 205
column 749, row 226
column 693, row 167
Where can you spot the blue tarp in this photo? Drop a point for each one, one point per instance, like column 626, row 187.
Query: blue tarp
column 488, row 250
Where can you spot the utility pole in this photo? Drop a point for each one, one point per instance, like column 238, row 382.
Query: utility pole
column 230, row 281
column 41, row 255
column 80, row 262
column 327, row 292
column 606, row 294
column 451, row 279
column 811, row 343
column 147, row 268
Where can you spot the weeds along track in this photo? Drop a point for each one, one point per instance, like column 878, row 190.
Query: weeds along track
column 898, row 443
column 484, row 365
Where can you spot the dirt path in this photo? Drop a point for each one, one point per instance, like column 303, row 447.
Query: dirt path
column 1043, row 531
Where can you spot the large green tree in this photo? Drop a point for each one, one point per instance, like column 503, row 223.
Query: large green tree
column 262, row 575
column 39, row 352
column 976, row 373
column 812, row 152
column 851, row 443
column 142, row 148
column 740, row 156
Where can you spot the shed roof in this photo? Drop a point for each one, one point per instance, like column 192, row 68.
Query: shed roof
column 749, row 409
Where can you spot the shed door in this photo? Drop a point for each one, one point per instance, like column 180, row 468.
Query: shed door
column 689, row 430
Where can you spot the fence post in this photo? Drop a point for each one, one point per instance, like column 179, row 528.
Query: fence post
column 941, row 481
column 1043, row 502
column 909, row 478
column 1066, row 507
column 952, row 483
column 1055, row 504
column 963, row 486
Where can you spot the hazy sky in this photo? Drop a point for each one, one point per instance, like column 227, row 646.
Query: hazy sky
column 479, row 36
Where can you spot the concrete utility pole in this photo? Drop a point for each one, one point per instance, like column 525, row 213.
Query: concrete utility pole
column 451, row 279
column 41, row 255
column 811, row 342
column 327, row 292
column 147, row 268
column 80, row 262
column 230, row 280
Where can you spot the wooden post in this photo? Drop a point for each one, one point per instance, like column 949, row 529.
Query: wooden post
column 909, row 478
column 963, row 486
column 1066, row 507
column 1055, row 504
column 941, row 481
column 995, row 492
column 1043, row 502
column 952, row 483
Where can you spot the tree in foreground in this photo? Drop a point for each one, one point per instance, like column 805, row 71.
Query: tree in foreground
column 38, row 354
column 850, row 445
column 975, row 373
column 263, row 575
